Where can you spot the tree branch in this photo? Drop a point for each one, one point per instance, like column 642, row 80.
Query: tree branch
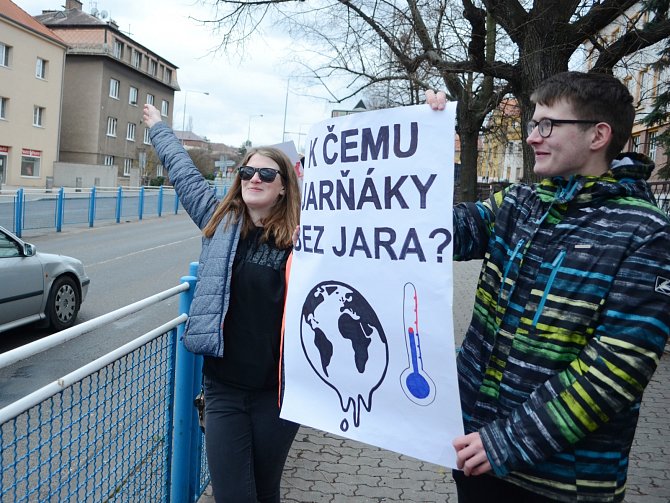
column 632, row 42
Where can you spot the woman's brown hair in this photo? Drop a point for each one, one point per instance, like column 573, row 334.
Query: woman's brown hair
column 285, row 214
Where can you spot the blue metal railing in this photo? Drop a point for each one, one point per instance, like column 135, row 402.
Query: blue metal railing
column 23, row 209
column 39, row 209
column 121, row 428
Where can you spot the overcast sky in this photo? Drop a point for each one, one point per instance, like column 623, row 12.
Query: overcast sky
column 240, row 89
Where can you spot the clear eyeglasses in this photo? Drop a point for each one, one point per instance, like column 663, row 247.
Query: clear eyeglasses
column 546, row 126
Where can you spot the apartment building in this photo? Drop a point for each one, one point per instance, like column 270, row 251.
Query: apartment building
column 500, row 151
column 32, row 59
column 643, row 79
column 644, row 85
column 108, row 77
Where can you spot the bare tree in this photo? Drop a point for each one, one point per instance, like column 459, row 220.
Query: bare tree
column 455, row 43
column 385, row 50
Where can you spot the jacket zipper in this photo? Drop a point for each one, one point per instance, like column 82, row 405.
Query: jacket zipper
column 555, row 266
column 509, row 265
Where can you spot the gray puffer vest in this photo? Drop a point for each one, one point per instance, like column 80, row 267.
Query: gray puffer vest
column 204, row 328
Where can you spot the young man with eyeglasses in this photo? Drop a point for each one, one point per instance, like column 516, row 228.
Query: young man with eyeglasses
column 572, row 311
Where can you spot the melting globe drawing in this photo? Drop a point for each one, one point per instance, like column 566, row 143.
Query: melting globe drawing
column 345, row 344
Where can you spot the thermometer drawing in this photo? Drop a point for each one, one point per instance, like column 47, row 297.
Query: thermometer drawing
column 415, row 381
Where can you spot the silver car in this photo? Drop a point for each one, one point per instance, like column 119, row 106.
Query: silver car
column 38, row 286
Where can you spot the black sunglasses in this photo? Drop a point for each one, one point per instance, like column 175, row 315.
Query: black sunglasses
column 267, row 175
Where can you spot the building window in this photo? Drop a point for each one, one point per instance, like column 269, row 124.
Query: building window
column 41, row 68
column 150, row 99
column 130, row 134
column 132, row 96
column 4, row 54
column 642, row 86
column 137, row 58
column 114, row 86
column 30, row 162
column 159, row 170
column 147, row 141
column 38, row 116
column 652, row 141
column 3, row 107
column 118, row 49
column 127, row 166
column 165, row 108
column 635, row 143
column 168, row 75
column 153, row 67
column 111, row 126
column 630, row 85
column 109, row 160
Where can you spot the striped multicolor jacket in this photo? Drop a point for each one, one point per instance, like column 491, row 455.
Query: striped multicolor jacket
column 571, row 316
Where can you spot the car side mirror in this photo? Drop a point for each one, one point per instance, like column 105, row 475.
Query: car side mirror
column 29, row 250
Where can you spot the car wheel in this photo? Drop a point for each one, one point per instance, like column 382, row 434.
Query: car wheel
column 63, row 304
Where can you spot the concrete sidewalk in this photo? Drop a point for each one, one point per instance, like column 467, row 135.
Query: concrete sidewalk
column 322, row 467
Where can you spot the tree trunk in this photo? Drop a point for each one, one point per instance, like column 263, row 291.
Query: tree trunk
column 467, row 188
column 536, row 65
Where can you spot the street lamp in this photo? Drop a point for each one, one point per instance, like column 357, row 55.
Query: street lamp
column 300, row 134
column 183, row 119
column 249, row 129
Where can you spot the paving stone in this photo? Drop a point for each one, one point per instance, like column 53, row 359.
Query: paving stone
column 355, row 499
column 383, row 493
column 356, row 479
column 315, row 475
column 296, row 495
column 335, row 488
column 423, row 497
column 379, row 471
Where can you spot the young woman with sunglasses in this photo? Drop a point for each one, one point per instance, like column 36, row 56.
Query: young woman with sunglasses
column 236, row 313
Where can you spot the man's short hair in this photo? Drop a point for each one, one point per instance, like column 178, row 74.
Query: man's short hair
column 595, row 96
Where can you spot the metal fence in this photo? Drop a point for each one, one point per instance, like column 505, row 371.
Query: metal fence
column 116, row 429
column 105, row 437
column 22, row 209
column 661, row 191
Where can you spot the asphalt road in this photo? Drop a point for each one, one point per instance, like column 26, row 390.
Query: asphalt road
column 126, row 262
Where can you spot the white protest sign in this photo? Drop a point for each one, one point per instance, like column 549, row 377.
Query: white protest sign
column 369, row 347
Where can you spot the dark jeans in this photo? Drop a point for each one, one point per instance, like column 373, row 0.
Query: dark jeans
column 247, row 443
column 487, row 488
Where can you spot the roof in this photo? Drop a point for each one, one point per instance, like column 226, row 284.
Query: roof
column 510, row 107
column 9, row 10
column 360, row 105
column 69, row 17
column 189, row 136
column 73, row 19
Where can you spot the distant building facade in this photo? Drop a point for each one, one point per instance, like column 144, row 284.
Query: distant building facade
column 643, row 80
column 32, row 59
column 500, row 150
column 107, row 79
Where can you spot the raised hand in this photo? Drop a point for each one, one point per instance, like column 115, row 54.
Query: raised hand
column 150, row 115
column 436, row 99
